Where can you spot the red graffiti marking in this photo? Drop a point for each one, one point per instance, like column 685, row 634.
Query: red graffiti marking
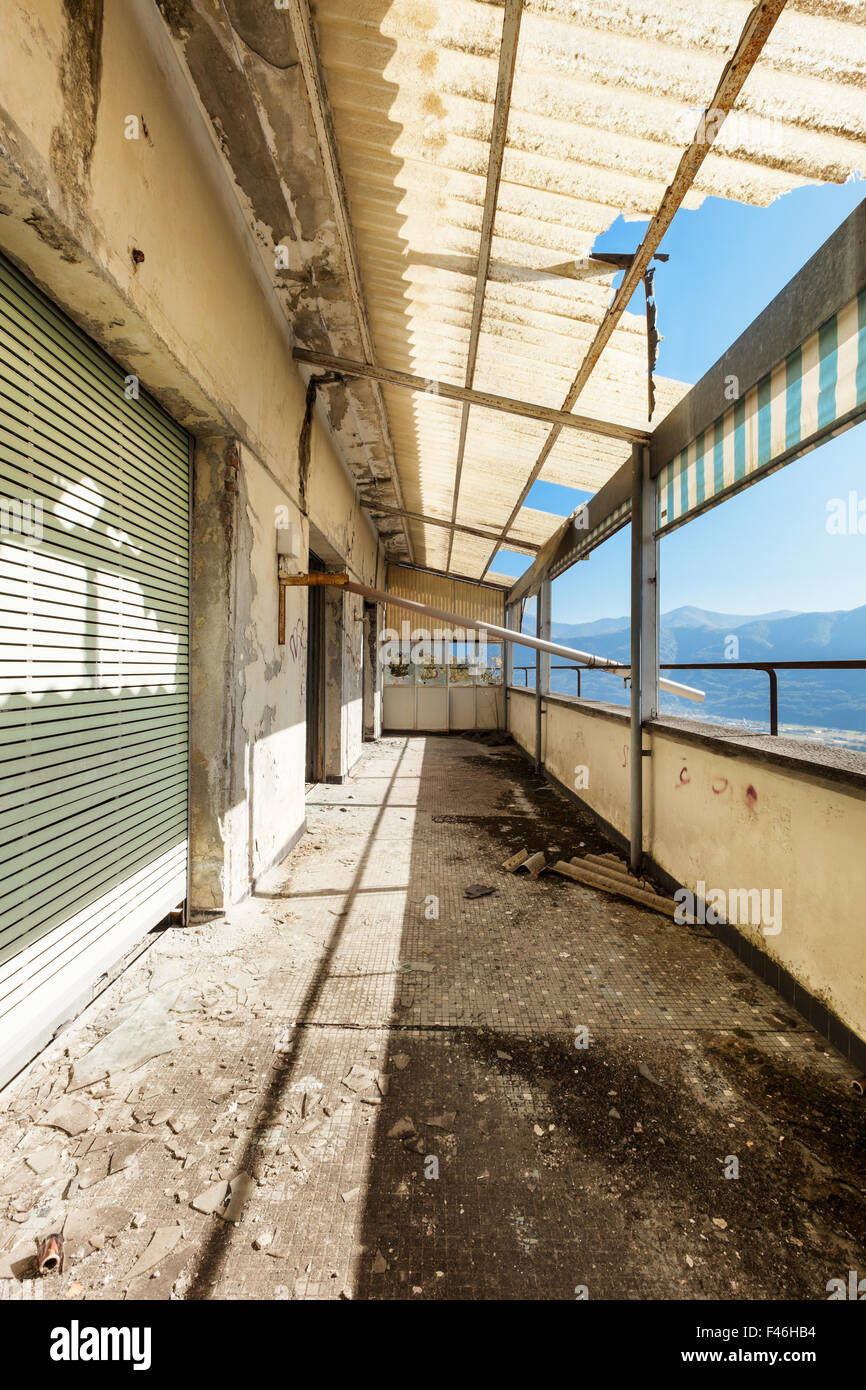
column 720, row 785
column 684, row 778
column 625, row 755
column 751, row 797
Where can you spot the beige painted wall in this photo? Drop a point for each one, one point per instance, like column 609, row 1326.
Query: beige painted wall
column 197, row 319
column 730, row 819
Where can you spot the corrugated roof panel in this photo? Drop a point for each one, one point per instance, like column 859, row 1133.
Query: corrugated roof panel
column 605, row 98
column 483, row 603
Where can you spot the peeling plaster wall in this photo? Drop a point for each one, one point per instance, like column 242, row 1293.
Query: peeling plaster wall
column 200, row 323
column 253, row 97
column 731, row 819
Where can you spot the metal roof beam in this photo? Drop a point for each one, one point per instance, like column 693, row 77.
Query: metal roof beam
column 499, row 585
column 756, row 31
column 372, row 506
column 498, row 133
column 616, row 490
column 446, row 390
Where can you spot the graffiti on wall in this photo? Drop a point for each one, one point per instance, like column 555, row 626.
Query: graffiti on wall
column 298, row 639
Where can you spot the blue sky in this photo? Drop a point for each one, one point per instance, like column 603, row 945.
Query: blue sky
column 767, row 548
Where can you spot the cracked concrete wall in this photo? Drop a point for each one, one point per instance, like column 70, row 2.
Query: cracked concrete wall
column 240, row 58
column 194, row 315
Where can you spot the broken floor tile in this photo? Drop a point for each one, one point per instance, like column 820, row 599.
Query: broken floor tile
column 92, row 1170
column 17, row 1181
column 212, row 1199
column 89, row 1227
column 157, row 1284
column 19, row 1263
column 403, row 1128
column 45, row 1158
column 443, row 1121
column 125, row 1149
column 72, row 1116
column 359, row 1078
column 146, row 1033
column 162, row 1242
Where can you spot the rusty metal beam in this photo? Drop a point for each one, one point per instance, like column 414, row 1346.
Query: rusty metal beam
column 459, row 620
column 529, row 547
column 511, row 18
column 464, row 578
column 486, row 399
column 755, row 33
column 304, row 35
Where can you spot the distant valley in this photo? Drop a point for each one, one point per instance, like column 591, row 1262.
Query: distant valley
column 811, row 703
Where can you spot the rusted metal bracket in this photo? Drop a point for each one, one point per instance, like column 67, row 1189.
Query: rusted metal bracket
column 339, row 581
column 336, row 581
column 623, row 261
column 460, row 620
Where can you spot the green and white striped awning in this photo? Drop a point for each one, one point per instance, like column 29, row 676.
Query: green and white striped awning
column 816, row 392
column 593, row 537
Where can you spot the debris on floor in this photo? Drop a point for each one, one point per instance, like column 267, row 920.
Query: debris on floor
column 49, row 1255
column 535, row 864
column 487, row 1103
column 516, row 860
column 611, row 875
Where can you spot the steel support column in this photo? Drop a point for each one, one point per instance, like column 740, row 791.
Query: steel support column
column 644, row 638
column 542, row 662
column 507, row 664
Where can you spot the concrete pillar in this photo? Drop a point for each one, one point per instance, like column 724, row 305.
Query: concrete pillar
column 216, row 752
column 332, row 760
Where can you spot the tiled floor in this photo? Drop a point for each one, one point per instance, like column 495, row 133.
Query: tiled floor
column 525, row 1164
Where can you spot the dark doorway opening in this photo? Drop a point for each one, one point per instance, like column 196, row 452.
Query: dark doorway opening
column 315, row 770
column 370, row 671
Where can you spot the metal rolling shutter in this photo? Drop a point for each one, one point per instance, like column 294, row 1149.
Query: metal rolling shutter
column 94, row 654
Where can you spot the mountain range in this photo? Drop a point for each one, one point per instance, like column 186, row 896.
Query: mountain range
column 829, row 700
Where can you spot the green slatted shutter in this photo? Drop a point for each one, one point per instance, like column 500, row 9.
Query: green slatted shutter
column 94, row 653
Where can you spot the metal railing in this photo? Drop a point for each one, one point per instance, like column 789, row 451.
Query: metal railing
column 770, row 667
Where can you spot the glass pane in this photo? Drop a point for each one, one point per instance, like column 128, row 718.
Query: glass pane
column 428, row 674
column 460, row 673
column 399, row 673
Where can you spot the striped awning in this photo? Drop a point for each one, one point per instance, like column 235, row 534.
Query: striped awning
column 817, row 391
column 593, row 537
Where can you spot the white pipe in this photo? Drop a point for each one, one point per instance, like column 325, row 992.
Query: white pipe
column 504, row 634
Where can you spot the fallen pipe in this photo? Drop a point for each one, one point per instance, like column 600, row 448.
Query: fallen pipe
column 49, row 1255
column 501, row 634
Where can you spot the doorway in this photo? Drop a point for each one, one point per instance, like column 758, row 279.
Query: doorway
column 371, row 672
column 315, row 769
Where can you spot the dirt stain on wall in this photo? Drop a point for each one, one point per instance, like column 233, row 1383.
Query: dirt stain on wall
column 73, row 139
